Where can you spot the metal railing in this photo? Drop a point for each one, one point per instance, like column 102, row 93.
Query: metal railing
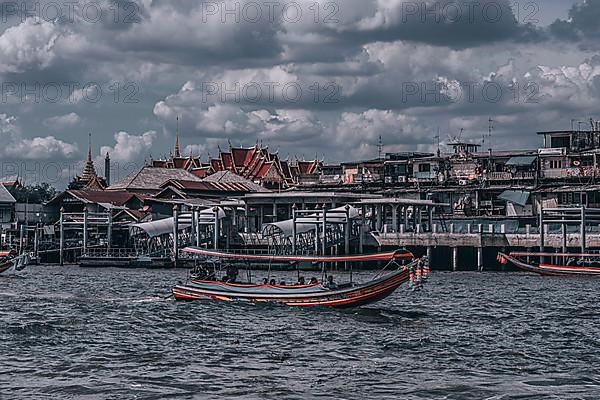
column 509, row 176
column 117, row 252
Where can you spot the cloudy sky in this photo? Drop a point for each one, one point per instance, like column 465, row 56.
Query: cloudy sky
column 308, row 78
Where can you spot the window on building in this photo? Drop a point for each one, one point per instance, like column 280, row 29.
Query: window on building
column 424, row 167
column 401, row 169
column 560, row 141
column 556, row 164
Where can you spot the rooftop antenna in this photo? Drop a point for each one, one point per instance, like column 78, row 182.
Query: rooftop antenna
column 490, row 131
column 437, row 137
column 380, row 147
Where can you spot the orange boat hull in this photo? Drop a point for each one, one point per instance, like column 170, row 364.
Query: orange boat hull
column 344, row 298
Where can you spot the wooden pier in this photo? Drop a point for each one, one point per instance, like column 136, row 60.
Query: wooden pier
column 556, row 236
column 362, row 226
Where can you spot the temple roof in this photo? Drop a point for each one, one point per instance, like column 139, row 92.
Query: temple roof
column 5, row 196
column 89, row 171
column 150, row 179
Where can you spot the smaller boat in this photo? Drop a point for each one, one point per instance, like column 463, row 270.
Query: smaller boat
column 11, row 263
column 554, row 264
column 303, row 295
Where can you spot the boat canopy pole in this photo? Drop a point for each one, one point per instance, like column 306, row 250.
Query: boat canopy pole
column 346, row 268
column 269, row 273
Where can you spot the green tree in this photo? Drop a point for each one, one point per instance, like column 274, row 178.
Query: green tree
column 34, row 194
column 75, row 184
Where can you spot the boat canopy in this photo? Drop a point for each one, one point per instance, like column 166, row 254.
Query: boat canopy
column 160, row 227
column 392, row 255
column 307, row 223
column 165, row 226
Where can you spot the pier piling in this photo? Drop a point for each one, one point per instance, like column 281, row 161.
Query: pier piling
column 216, row 228
column 85, row 231
column 583, row 231
column 175, row 234
column 61, row 248
column 455, row 259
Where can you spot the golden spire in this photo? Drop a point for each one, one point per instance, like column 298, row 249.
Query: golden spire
column 89, row 158
column 89, row 171
column 177, row 151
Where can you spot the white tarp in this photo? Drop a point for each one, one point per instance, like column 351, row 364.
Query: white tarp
column 164, row 226
column 160, row 227
column 308, row 223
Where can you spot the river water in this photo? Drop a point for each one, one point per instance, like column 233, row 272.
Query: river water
column 71, row 333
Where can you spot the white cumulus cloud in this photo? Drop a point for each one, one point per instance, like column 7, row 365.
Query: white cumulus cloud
column 14, row 146
column 63, row 121
column 29, row 45
column 129, row 148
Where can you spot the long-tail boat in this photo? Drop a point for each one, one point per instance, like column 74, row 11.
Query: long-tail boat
column 561, row 264
column 342, row 296
column 11, row 263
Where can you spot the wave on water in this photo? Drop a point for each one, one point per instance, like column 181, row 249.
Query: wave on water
column 116, row 334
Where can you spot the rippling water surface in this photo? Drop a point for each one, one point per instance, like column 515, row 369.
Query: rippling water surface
column 70, row 333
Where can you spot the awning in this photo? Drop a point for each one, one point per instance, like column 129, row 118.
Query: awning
column 307, row 223
column 518, row 197
column 521, row 161
column 160, row 227
column 164, row 226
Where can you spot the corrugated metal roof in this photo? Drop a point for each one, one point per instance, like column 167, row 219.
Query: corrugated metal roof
column 518, row 197
column 150, row 178
column 116, row 198
column 230, row 177
column 204, row 186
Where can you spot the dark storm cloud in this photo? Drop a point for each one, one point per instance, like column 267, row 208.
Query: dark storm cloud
column 184, row 33
column 367, row 68
column 583, row 25
column 456, row 24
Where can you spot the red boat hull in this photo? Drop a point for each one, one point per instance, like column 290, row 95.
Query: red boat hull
column 552, row 270
column 344, row 298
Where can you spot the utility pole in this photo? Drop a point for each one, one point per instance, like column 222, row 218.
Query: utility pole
column 437, row 137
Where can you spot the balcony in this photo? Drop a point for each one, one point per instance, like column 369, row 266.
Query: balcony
column 555, row 174
column 425, row 176
column 499, row 176
column 568, row 173
column 367, row 178
column 511, row 176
